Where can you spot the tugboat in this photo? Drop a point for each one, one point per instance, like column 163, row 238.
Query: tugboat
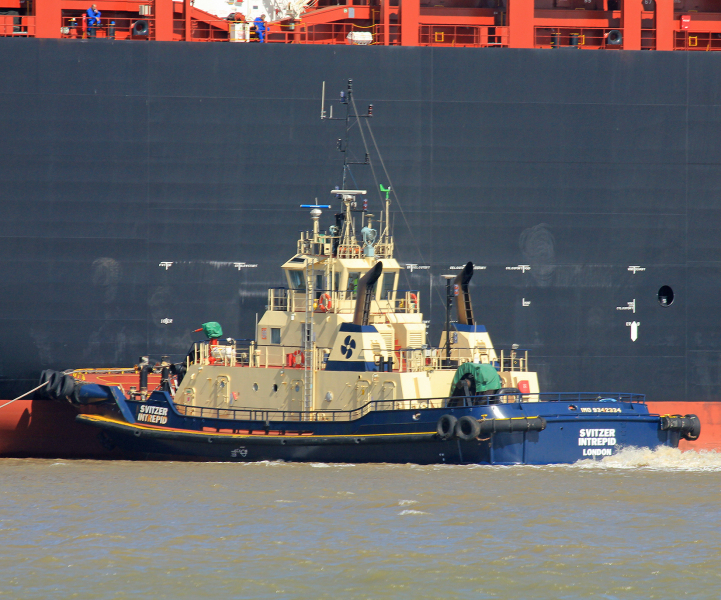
column 340, row 371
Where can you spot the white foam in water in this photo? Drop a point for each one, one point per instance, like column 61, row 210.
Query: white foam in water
column 407, row 502
column 412, row 512
column 663, row 458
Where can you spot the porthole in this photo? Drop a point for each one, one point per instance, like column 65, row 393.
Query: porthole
column 665, row 296
column 275, row 387
column 255, row 387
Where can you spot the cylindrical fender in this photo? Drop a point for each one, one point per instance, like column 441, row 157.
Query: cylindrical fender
column 490, row 426
column 689, row 426
column 467, row 428
column 446, row 427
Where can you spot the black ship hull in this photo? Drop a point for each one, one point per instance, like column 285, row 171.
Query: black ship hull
column 145, row 188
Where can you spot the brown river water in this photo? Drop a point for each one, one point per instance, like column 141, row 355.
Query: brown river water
column 638, row 525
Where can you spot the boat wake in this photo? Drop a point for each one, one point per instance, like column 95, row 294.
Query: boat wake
column 663, row 458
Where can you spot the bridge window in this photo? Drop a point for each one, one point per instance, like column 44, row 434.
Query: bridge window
column 387, row 285
column 275, row 335
column 297, row 281
column 353, row 279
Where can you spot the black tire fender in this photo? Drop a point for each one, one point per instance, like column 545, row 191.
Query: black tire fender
column 446, row 427
column 467, row 428
column 66, row 387
column 55, row 382
column 695, row 428
column 44, row 378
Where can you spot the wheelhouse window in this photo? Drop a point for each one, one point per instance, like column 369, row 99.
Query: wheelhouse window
column 353, row 279
column 275, row 335
column 297, row 281
column 387, row 285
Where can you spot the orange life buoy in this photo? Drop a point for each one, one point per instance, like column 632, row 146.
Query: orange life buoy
column 298, row 358
column 414, row 301
column 324, row 304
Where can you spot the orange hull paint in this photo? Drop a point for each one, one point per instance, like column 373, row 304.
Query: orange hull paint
column 46, row 429
column 708, row 412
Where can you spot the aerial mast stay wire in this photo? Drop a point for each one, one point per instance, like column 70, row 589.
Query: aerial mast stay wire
column 390, row 183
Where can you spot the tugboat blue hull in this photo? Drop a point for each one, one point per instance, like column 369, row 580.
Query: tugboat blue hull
column 507, row 435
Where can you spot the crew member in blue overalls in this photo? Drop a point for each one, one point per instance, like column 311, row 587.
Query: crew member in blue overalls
column 93, row 20
column 260, row 27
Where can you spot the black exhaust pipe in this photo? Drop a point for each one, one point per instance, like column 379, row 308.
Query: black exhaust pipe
column 463, row 300
column 365, row 294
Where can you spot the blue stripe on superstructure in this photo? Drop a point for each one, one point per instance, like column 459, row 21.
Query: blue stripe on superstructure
column 353, row 328
column 469, row 328
column 347, row 365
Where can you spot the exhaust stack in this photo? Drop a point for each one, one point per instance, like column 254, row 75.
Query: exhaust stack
column 464, row 306
column 365, row 294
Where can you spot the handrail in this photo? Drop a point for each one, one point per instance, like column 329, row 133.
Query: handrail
column 605, row 399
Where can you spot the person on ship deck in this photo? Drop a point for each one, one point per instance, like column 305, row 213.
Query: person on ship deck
column 260, row 27
column 93, row 20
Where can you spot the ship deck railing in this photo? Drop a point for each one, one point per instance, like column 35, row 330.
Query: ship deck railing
column 324, row 245
column 463, row 36
column 268, row 416
column 399, row 360
column 282, row 299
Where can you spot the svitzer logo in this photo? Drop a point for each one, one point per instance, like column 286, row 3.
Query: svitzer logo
column 635, row 269
column 521, row 268
column 166, row 264
column 242, row 265
column 348, row 346
column 166, row 321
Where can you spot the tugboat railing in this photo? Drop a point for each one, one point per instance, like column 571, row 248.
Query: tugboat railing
column 605, row 401
column 404, row 360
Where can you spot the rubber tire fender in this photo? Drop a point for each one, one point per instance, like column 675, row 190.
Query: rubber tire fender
column 695, row 431
column 66, row 387
column 446, row 427
column 55, row 382
column 467, row 428
column 44, row 378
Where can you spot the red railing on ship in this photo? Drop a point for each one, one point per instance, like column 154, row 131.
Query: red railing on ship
column 278, row 33
column 581, row 37
column 462, row 36
column 697, row 40
column 17, row 25
column 648, row 39
column 122, row 29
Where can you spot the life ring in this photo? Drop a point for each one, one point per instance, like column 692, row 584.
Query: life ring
column 324, row 304
column 298, row 358
column 414, row 302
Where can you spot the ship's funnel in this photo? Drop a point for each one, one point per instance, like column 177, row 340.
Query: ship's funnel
column 463, row 300
column 365, row 294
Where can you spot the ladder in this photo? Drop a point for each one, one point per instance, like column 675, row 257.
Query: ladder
column 308, row 339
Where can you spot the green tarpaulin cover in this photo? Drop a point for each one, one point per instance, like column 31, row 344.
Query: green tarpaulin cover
column 485, row 376
column 212, row 330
